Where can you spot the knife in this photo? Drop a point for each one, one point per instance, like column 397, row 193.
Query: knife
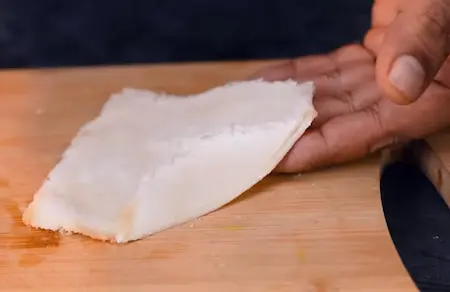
column 417, row 219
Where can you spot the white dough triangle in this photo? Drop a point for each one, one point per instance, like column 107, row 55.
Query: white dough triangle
column 151, row 161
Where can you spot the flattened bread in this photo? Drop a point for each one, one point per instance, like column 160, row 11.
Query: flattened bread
column 151, row 161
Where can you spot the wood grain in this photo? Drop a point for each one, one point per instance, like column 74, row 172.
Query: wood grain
column 432, row 156
column 322, row 231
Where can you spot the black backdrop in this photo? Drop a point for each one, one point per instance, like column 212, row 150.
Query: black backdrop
column 67, row 32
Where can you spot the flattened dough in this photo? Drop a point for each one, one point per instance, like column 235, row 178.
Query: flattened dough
column 151, row 161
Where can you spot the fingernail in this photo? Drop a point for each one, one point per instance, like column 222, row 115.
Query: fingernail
column 407, row 75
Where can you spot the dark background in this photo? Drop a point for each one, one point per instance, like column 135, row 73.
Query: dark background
column 37, row 33
column 43, row 33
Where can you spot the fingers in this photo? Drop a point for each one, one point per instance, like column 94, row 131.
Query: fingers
column 301, row 69
column 414, row 47
column 374, row 40
column 384, row 12
column 443, row 76
column 349, row 137
column 342, row 139
column 313, row 67
column 345, row 78
column 359, row 98
column 350, row 87
column 350, row 54
column 429, row 114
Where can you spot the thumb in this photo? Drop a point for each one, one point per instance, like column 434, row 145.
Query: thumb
column 414, row 48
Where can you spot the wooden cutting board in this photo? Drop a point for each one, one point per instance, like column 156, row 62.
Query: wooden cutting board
column 322, row 231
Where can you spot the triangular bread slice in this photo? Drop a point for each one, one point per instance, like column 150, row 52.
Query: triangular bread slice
column 151, row 161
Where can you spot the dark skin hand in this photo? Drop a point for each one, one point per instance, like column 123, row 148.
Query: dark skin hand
column 354, row 118
column 394, row 88
column 413, row 43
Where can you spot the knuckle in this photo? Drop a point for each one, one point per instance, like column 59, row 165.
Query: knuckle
column 387, row 133
column 326, row 146
column 381, row 130
column 434, row 25
column 380, row 138
column 384, row 12
column 348, row 99
column 434, row 22
column 334, row 59
column 294, row 66
column 336, row 65
column 374, row 111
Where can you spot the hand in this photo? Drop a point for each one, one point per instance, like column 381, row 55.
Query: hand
column 353, row 117
column 413, row 39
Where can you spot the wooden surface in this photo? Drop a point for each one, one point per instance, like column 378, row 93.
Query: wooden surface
column 432, row 155
column 322, row 231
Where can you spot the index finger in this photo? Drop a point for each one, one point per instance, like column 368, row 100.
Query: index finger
column 311, row 67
